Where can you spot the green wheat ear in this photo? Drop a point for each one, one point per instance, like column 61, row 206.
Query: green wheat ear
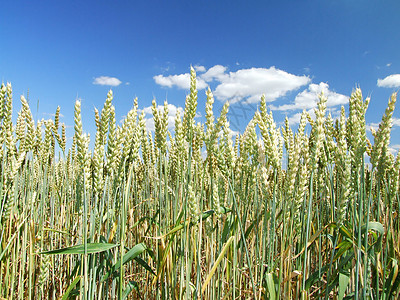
column 79, row 138
column 380, row 149
column 190, row 213
column 190, row 106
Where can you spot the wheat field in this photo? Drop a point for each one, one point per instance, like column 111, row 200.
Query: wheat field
column 273, row 213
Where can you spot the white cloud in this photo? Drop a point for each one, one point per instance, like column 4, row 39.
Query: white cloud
column 294, row 119
column 215, row 73
column 200, row 69
column 106, row 80
column 244, row 84
column 53, row 115
column 388, row 65
column 252, row 83
column 390, row 81
column 396, row 122
column 308, row 98
column 182, row 81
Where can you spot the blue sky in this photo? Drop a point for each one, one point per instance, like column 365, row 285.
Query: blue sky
column 288, row 50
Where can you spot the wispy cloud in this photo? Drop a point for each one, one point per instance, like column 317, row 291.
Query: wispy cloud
column 309, row 98
column 243, row 85
column 53, row 115
column 396, row 121
column 106, row 80
column 391, row 81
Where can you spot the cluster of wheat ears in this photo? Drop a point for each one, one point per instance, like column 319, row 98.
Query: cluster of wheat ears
column 270, row 214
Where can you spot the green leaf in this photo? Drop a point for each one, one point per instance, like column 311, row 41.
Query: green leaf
column 132, row 285
column 343, row 282
column 224, row 210
column 374, row 226
column 206, row 214
column 271, row 285
column 131, row 254
column 390, row 281
column 344, row 267
column 144, row 264
column 71, row 287
column 248, row 230
column 345, row 232
column 227, row 227
column 80, row 249
column 342, row 248
column 314, row 277
column 56, row 231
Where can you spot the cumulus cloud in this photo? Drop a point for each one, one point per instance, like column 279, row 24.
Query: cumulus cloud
column 396, row 122
column 309, row 98
column 252, row 83
column 391, row 81
column 181, row 81
column 106, row 80
column 215, row 73
column 244, row 84
column 294, row 119
column 200, row 69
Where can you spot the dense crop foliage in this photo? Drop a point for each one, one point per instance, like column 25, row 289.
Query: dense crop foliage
column 274, row 213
